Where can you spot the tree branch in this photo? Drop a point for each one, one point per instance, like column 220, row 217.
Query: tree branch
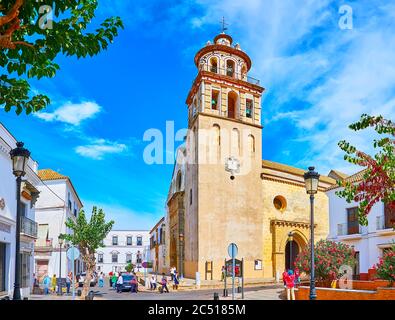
column 12, row 14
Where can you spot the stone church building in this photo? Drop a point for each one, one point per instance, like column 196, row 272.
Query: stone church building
column 222, row 191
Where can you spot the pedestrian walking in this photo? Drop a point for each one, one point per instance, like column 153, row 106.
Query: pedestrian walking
column 114, row 279
column 223, row 273
column 110, row 278
column 101, row 280
column 172, row 270
column 153, row 283
column 290, row 284
column 164, row 284
column 68, row 282
column 119, row 283
column 46, row 283
column 134, row 285
column 176, row 281
column 53, row 283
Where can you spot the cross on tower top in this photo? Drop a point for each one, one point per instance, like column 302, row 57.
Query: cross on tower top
column 223, row 25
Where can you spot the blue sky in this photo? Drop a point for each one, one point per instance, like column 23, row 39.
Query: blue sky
column 318, row 78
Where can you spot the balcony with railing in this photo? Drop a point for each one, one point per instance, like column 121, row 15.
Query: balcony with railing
column 28, row 227
column 343, row 229
column 43, row 244
column 229, row 72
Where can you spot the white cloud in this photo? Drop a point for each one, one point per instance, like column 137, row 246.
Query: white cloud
column 318, row 77
column 71, row 113
column 100, row 148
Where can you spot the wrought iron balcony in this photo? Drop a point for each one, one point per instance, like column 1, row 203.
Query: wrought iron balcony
column 28, row 227
column 229, row 72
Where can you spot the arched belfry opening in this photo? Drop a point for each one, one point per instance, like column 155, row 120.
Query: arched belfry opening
column 232, row 104
column 214, row 65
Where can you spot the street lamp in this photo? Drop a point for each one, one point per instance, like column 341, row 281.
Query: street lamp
column 19, row 157
column 290, row 239
column 311, row 179
column 60, row 241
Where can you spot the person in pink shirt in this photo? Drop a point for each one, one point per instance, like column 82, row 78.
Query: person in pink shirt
column 290, row 283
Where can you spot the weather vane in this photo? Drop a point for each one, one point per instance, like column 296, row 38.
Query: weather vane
column 224, row 25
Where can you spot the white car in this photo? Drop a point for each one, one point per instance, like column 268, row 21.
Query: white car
column 82, row 279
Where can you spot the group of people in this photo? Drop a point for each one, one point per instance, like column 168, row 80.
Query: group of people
column 291, row 280
column 164, row 281
column 50, row 284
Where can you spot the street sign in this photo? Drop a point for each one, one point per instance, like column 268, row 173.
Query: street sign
column 238, row 268
column 232, row 250
column 73, row 253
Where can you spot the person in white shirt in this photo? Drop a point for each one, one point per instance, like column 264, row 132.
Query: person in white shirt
column 172, row 272
column 153, row 283
column 119, row 283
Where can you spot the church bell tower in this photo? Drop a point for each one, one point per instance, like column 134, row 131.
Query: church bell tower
column 223, row 142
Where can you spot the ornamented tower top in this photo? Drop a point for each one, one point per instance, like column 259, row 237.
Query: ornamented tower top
column 223, row 87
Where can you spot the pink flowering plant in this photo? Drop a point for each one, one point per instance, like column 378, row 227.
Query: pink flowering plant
column 385, row 268
column 329, row 256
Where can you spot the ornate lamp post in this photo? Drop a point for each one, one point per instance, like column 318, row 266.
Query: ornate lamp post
column 311, row 179
column 290, row 239
column 19, row 157
column 60, row 241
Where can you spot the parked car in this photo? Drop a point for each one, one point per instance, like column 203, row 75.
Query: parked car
column 81, row 279
column 127, row 281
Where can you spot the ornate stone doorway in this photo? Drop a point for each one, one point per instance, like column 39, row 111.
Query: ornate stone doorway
column 291, row 252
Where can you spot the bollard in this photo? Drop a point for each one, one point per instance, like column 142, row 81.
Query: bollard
column 25, row 298
column 216, row 296
column 238, row 289
column 79, row 292
column 225, row 292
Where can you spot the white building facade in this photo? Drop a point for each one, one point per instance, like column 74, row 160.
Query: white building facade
column 58, row 201
column 122, row 247
column 370, row 241
column 29, row 194
column 158, row 247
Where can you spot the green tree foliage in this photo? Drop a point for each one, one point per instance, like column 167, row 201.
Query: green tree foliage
column 34, row 33
column 88, row 236
column 378, row 183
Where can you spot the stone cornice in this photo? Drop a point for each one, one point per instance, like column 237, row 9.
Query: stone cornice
column 292, row 183
column 286, row 223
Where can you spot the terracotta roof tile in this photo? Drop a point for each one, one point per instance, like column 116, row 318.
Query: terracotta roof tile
column 49, row 174
column 289, row 169
column 356, row 177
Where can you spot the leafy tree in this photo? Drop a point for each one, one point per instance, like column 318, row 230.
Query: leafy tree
column 88, row 237
column 329, row 256
column 34, row 33
column 378, row 183
column 129, row 267
column 385, row 268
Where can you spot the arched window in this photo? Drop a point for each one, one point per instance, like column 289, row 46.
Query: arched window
column 244, row 72
column 251, row 143
column 214, row 65
column 232, row 104
column 230, row 68
column 178, row 181
column 235, row 142
column 215, row 150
